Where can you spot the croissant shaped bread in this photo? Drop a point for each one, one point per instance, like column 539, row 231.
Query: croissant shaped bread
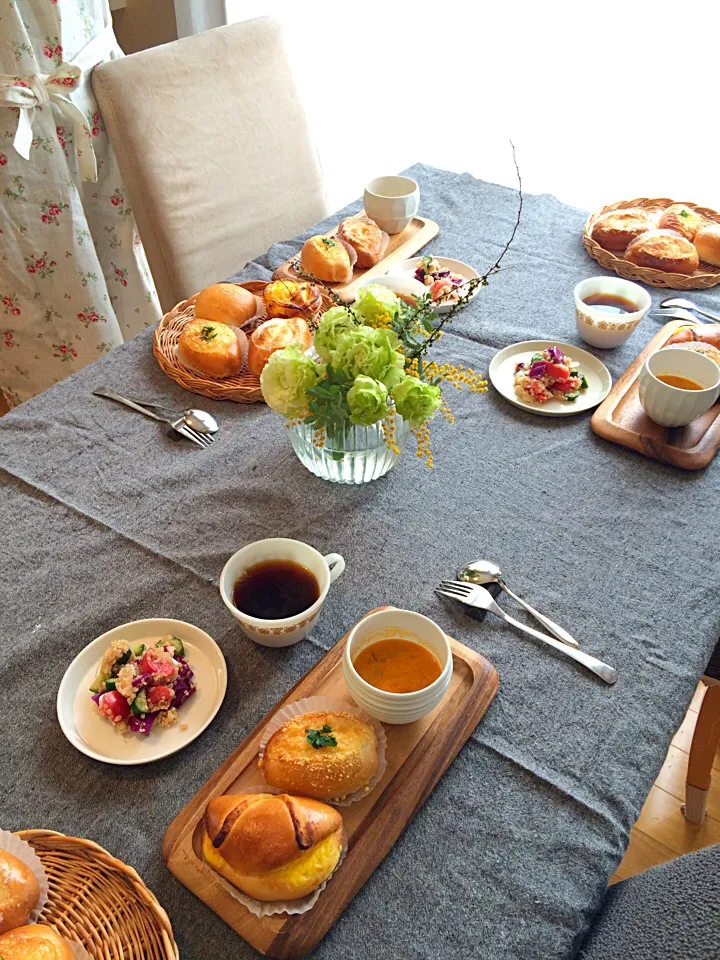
column 272, row 846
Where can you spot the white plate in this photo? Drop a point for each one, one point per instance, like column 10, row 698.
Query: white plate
column 92, row 735
column 502, row 374
column 408, row 268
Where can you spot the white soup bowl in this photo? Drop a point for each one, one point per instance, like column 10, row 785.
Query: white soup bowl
column 406, row 625
column 673, row 406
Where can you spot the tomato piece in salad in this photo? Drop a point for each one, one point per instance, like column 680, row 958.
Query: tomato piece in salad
column 159, row 698
column 159, row 663
column 558, row 371
column 566, row 386
column 113, row 706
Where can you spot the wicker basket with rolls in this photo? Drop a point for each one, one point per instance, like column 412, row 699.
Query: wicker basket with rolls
column 658, row 242
column 216, row 343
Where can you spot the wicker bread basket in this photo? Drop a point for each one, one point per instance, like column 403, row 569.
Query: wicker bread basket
column 705, row 276
column 242, row 388
column 99, row 901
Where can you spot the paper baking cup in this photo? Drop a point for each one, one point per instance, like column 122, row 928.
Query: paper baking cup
column 78, row 950
column 310, row 705
column 268, row 908
column 23, row 851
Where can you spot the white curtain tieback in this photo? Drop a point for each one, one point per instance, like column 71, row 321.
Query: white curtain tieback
column 51, row 88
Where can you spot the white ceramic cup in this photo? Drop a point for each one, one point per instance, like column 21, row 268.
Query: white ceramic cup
column 673, row 406
column 392, row 202
column 290, row 630
column 406, row 625
column 600, row 328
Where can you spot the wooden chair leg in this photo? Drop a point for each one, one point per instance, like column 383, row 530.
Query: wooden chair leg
column 702, row 753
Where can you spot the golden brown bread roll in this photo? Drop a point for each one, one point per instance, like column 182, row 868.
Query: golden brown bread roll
column 19, row 892
column 292, row 763
column 707, row 243
column 34, row 942
column 226, row 303
column 212, row 348
column 707, row 333
column 663, row 250
column 289, row 298
column 276, row 335
column 328, row 259
column 681, row 219
column 272, row 847
column 616, row 229
column 365, row 237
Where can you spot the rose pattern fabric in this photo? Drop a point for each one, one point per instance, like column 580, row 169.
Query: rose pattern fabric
column 74, row 281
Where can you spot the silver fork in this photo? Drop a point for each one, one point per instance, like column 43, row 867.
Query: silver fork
column 177, row 423
column 475, row 596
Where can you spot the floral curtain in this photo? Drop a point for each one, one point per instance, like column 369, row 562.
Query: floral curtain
column 74, row 281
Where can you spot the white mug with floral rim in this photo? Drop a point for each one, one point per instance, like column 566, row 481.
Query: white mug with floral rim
column 290, row 630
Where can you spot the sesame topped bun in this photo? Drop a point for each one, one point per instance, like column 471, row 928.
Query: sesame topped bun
column 324, row 754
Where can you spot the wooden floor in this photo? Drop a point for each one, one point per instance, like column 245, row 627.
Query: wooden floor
column 662, row 832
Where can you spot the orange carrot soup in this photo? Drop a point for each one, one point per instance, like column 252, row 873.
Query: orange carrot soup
column 397, row 666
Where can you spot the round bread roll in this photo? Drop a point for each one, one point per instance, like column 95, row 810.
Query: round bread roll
column 663, row 250
column 681, row 219
column 212, row 348
column 272, row 847
column 19, row 892
column 34, row 942
column 328, row 259
column 226, row 303
column 276, row 335
column 707, row 333
column 288, row 298
column 292, row 763
column 617, row 228
column 707, row 243
column 707, row 348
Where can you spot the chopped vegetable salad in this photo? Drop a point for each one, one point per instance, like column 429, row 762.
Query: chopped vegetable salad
column 442, row 282
column 137, row 687
column 550, row 375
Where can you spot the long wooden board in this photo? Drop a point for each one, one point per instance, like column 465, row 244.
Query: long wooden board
column 621, row 418
column 418, row 754
column 402, row 246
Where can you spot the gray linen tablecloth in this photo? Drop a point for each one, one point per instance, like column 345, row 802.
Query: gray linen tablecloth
column 106, row 520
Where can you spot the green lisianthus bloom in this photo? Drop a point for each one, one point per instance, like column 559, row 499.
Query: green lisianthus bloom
column 364, row 351
column 285, row 380
column 334, row 322
column 367, row 401
column 416, row 401
column 376, row 303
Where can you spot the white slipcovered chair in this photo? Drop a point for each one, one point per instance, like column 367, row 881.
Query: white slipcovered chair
column 214, row 148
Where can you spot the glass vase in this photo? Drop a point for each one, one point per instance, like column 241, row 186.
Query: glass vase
column 353, row 455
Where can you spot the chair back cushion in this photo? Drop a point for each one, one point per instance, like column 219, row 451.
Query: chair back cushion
column 214, row 150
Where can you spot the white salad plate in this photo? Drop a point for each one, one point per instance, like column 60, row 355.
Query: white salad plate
column 502, row 377
column 408, row 268
column 94, row 736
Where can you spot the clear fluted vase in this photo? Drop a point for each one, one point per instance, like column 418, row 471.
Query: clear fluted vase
column 352, row 455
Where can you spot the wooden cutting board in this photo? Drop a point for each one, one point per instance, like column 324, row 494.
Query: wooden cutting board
column 402, row 246
column 418, row 754
column 621, row 418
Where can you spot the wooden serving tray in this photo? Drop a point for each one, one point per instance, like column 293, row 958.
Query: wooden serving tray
column 418, row 754
column 621, row 418
column 402, row 246
column 705, row 276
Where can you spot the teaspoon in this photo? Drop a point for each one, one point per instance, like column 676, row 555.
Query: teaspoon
column 483, row 571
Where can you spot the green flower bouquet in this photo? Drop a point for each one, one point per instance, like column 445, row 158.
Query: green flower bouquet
column 369, row 375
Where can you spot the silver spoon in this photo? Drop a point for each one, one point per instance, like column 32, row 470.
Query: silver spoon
column 684, row 304
column 482, row 571
column 199, row 420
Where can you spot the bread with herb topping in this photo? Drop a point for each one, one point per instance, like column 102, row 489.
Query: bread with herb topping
column 681, row 219
column 328, row 259
column 325, row 754
column 212, row 348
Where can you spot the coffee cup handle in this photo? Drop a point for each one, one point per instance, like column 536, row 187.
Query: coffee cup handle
column 336, row 565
